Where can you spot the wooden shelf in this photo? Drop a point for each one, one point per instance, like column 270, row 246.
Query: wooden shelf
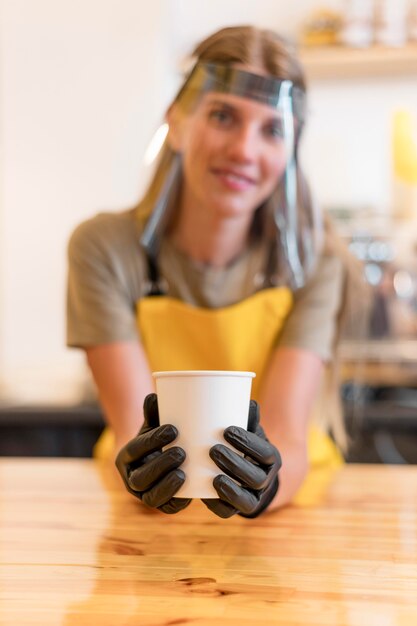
column 341, row 62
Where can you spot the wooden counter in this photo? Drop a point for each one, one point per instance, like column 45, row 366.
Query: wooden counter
column 76, row 549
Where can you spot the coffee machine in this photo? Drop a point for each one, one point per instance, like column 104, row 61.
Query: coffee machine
column 379, row 357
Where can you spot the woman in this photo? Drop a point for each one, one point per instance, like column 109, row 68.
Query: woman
column 223, row 265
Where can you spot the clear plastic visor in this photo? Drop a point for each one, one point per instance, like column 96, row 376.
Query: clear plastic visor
column 289, row 215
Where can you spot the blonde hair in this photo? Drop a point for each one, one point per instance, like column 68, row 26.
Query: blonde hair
column 355, row 305
column 248, row 45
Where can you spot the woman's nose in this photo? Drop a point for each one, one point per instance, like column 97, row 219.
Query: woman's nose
column 243, row 144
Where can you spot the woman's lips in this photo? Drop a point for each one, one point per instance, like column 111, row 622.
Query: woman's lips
column 234, row 180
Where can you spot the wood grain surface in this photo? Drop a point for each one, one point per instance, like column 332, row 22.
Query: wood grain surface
column 77, row 550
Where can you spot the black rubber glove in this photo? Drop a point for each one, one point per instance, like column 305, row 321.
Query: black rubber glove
column 148, row 473
column 256, row 472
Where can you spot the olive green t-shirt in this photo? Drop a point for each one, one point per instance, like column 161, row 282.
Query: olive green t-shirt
column 107, row 276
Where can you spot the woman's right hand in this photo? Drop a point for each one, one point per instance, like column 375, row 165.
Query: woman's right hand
column 148, row 473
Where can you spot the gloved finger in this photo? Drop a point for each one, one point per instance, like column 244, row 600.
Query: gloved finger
column 260, row 432
column 250, row 444
column 145, row 443
column 147, row 459
column 220, row 508
column 265, row 498
column 150, row 410
column 164, row 490
column 238, row 497
column 237, row 467
column 144, row 477
column 254, row 417
column 175, row 505
column 126, row 469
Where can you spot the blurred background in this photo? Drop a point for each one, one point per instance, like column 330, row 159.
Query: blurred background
column 83, row 87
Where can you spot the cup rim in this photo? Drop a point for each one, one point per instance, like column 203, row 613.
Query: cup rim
column 207, row 373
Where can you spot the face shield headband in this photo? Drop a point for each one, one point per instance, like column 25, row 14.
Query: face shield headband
column 290, row 211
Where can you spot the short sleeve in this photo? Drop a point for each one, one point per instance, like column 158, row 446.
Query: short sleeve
column 101, row 302
column 312, row 323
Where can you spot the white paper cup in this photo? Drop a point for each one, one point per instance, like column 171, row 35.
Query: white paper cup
column 201, row 404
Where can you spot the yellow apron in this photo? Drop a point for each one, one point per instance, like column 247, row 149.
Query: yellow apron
column 178, row 336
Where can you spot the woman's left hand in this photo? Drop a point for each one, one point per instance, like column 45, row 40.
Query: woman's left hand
column 256, row 472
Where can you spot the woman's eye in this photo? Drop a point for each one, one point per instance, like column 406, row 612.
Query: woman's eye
column 221, row 116
column 275, row 130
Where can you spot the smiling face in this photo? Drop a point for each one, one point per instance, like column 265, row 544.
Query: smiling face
column 233, row 154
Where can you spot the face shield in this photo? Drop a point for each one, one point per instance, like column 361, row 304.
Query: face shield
column 288, row 217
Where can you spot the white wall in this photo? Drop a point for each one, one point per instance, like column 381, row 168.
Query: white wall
column 347, row 146
column 82, row 89
column 84, row 84
column 196, row 19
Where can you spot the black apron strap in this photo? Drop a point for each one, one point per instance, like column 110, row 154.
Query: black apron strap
column 268, row 278
column 156, row 285
column 271, row 266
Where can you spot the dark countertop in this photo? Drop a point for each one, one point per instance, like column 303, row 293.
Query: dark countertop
column 49, row 430
column 382, row 425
